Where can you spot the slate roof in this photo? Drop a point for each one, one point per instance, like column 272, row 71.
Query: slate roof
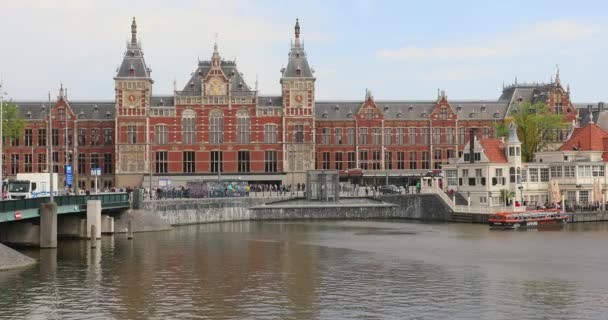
column 493, row 148
column 297, row 59
column 91, row 110
column 587, row 138
column 162, row 101
column 133, row 59
column 411, row 110
column 238, row 86
column 270, row 101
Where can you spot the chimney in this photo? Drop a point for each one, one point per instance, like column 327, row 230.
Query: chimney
column 472, row 145
column 589, row 108
column 600, row 106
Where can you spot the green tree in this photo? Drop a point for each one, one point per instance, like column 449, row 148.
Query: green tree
column 506, row 195
column 13, row 123
column 536, row 126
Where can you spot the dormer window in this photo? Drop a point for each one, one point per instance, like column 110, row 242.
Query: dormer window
column 349, row 115
column 28, row 115
column 132, row 70
column 423, row 115
column 161, row 102
column 337, row 108
column 269, row 102
column 385, row 108
column 398, row 114
column 483, row 108
column 297, row 55
column 108, row 115
column 410, row 109
column 325, row 114
column 472, row 115
column 459, row 108
column 298, row 72
column 81, row 115
column 496, row 115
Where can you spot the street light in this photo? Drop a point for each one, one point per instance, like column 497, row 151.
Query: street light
column 2, row 93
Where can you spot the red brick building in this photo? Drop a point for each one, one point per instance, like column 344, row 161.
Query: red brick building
column 218, row 127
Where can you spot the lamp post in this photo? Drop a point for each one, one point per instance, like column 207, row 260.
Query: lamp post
column 2, row 93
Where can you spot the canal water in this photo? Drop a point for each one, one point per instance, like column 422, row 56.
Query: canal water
column 319, row 270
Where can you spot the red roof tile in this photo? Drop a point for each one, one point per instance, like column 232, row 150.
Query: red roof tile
column 588, row 138
column 494, row 150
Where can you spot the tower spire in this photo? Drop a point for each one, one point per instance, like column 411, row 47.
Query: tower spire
column 134, row 33
column 297, row 32
column 215, row 58
column 557, row 80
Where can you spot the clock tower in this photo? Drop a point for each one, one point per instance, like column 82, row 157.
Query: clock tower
column 133, row 89
column 298, row 92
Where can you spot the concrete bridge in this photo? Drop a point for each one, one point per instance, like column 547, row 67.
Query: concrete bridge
column 38, row 222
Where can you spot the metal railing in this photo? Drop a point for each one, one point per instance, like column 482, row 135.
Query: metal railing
column 108, row 200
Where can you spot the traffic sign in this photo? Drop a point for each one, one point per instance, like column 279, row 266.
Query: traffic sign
column 18, row 215
column 95, row 171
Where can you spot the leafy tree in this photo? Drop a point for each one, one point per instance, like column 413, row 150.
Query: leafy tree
column 536, row 126
column 13, row 122
column 506, row 195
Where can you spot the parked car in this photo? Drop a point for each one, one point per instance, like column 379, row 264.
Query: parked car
column 388, row 189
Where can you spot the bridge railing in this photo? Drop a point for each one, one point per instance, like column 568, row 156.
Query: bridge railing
column 108, row 200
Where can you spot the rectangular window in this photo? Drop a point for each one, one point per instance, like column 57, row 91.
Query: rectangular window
column 413, row 160
column 338, row 156
column 216, row 161
column 28, row 139
column 15, row 142
column 376, row 136
column 598, row 171
column 216, row 129
column 70, row 137
column 242, row 130
column 461, row 136
column 270, row 133
column 161, row 134
column 41, row 137
column 388, row 136
column 556, row 171
column 425, row 160
column 437, row 135
column 362, row 136
column 412, row 136
column 524, row 175
column 131, row 134
column 425, row 136
column 61, row 113
column 443, row 114
column 388, row 160
column 325, row 135
column 544, row 174
column 298, row 133
column 486, row 132
column 533, row 174
column 437, row 159
column 162, row 162
column 42, row 162
column 243, row 161
column 400, row 136
column 451, row 177
column 325, row 160
column 350, row 136
column 338, row 135
column 108, row 160
column 95, row 137
column 363, row 160
column 376, row 160
column 351, row 161
column 583, row 196
column 107, row 136
column 188, row 129
column 55, row 137
column 82, row 164
column 270, row 161
column 450, row 154
column 14, row 163
column 95, row 161
column 400, row 160
column 449, row 136
column 82, row 136
column 55, row 160
column 569, row 171
column 28, row 163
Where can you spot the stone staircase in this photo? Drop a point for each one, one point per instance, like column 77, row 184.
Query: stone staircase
column 463, row 217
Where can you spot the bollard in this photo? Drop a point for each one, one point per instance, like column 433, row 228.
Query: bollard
column 130, row 229
column 93, row 236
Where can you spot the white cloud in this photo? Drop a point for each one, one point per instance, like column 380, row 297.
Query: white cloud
column 540, row 38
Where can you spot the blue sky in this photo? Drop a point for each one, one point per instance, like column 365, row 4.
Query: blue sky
column 397, row 49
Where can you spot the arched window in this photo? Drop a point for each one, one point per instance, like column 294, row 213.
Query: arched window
column 216, row 126
column 242, row 126
column 512, row 175
column 188, row 127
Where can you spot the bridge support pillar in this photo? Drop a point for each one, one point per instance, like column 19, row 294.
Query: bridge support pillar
column 71, row 226
column 107, row 224
column 94, row 218
column 48, row 225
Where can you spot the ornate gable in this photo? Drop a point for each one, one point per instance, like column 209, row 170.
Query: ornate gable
column 442, row 109
column 369, row 109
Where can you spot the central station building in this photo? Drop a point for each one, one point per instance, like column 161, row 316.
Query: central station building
column 218, row 127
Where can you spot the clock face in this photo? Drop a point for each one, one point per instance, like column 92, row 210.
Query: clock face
column 216, row 87
column 131, row 99
column 298, row 98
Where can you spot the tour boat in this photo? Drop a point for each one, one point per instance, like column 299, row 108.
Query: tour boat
column 527, row 219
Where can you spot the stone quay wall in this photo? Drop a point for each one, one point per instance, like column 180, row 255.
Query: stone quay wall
column 194, row 211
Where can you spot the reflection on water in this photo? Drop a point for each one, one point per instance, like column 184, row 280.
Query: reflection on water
column 319, row 270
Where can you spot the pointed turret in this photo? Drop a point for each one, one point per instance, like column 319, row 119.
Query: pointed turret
column 557, row 80
column 215, row 58
column 133, row 64
column 513, row 138
column 297, row 66
column 513, row 147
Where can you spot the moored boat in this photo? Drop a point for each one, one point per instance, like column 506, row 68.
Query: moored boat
column 527, row 219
